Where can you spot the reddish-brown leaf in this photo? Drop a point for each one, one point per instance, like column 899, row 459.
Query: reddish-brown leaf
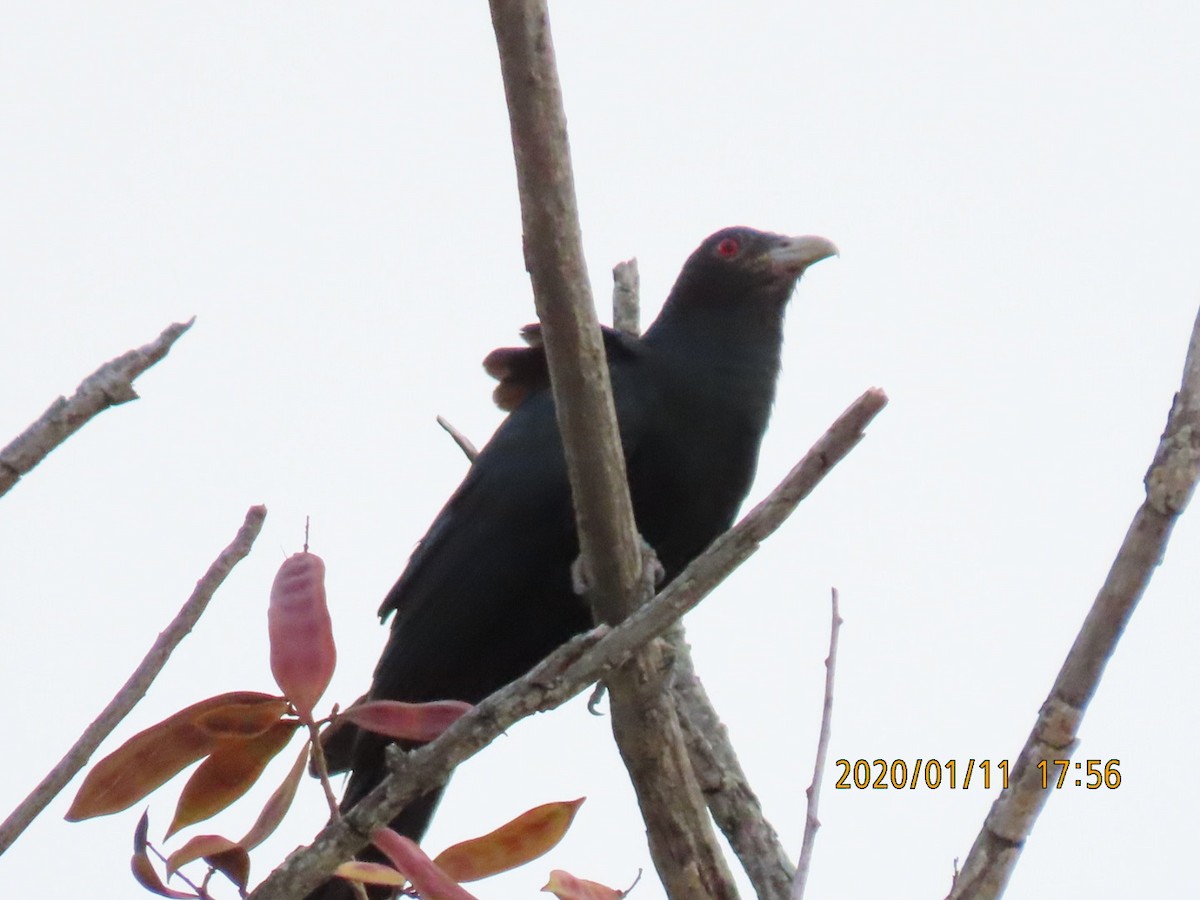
column 234, row 864
column 147, row 877
column 219, row 852
column 277, row 806
column 431, row 882
column 566, row 886
column 303, row 655
column 370, row 873
column 143, row 869
column 515, row 843
column 152, row 757
column 230, row 770
column 199, row 846
column 243, row 720
column 406, row 721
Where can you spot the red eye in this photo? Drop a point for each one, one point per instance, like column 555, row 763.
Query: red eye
column 728, row 248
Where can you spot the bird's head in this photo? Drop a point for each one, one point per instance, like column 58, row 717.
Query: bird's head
column 739, row 268
column 747, row 257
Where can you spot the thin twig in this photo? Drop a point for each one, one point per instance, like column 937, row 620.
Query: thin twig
column 201, row 890
column 321, row 769
column 109, row 385
column 464, row 443
column 139, row 682
column 570, row 669
column 811, row 821
column 1169, row 484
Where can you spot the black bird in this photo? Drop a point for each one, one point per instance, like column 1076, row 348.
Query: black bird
column 488, row 593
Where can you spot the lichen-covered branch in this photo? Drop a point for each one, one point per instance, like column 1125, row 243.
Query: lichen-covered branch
column 109, row 385
column 569, row 670
column 139, row 682
column 1169, row 483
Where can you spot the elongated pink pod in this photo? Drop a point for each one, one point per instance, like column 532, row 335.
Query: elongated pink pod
column 303, row 654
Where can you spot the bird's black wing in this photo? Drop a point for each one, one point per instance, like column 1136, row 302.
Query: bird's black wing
column 490, row 579
column 487, row 593
column 488, row 586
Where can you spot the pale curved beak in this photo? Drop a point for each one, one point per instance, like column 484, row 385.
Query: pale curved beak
column 792, row 255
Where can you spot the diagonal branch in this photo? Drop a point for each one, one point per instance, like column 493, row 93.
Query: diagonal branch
column 1169, row 482
column 569, row 670
column 682, row 843
column 139, row 682
column 731, row 800
column 109, row 385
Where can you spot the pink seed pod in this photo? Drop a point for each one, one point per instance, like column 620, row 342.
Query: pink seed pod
column 303, row 655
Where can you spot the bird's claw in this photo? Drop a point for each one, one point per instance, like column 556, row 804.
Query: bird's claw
column 581, row 578
column 652, row 570
column 598, row 693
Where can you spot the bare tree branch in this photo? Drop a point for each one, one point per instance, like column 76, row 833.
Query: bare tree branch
column 731, row 801
column 554, row 259
column 1169, row 483
column 626, row 302
column 567, row 671
column 646, row 727
column 109, row 385
column 811, row 822
column 139, row 682
column 733, row 804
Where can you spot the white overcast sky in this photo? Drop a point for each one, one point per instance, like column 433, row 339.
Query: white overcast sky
column 329, row 189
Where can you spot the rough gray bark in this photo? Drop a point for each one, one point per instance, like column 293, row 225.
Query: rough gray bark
column 1169, row 482
column 109, row 385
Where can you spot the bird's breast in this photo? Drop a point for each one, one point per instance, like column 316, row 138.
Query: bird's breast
column 690, row 474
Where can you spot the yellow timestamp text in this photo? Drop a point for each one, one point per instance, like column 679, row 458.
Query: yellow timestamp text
column 900, row 774
column 1093, row 774
column 953, row 774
